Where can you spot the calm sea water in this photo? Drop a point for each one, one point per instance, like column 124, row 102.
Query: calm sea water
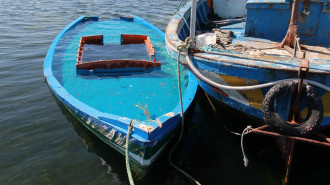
column 41, row 143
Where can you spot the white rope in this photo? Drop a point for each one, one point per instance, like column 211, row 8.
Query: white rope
column 182, row 47
column 317, row 84
column 245, row 131
column 235, row 133
column 220, row 86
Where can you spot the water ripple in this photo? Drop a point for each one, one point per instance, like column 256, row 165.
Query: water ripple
column 40, row 146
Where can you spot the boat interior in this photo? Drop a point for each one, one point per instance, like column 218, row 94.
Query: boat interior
column 126, row 94
column 259, row 28
column 96, row 58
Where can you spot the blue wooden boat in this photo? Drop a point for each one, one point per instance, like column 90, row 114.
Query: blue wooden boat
column 111, row 73
column 247, row 56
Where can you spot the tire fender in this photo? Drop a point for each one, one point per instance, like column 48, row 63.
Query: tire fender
column 274, row 120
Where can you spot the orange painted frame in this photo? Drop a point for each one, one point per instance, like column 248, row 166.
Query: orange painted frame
column 117, row 63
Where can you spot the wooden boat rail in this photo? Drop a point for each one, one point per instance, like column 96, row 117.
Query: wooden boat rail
column 116, row 65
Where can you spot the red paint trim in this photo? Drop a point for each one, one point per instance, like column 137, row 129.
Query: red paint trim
column 219, row 91
column 138, row 39
column 95, row 39
column 117, row 63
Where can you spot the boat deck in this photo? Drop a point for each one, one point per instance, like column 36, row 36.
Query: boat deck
column 233, row 46
column 126, row 95
column 258, row 46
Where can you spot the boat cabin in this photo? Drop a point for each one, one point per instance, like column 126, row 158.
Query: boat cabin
column 270, row 20
column 264, row 28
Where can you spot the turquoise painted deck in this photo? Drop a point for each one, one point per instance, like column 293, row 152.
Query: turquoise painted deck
column 118, row 95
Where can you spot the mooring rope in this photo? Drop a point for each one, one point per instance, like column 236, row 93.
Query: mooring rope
column 128, row 167
column 245, row 131
column 251, row 87
column 214, row 110
column 182, row 116
column 232, row 132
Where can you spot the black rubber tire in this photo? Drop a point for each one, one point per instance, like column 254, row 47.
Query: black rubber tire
column 274, row 120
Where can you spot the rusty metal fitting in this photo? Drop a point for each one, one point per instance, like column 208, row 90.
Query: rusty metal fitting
column 303, row 69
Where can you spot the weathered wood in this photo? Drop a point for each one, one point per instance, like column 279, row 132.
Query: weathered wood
column 291, row 34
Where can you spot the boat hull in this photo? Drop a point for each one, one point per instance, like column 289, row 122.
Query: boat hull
column 149, row 138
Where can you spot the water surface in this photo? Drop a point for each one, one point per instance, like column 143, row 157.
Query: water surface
column 42, row 144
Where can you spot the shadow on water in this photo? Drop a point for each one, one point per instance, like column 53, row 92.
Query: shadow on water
column 212, row 154
column 156, row 173
column 95, row 145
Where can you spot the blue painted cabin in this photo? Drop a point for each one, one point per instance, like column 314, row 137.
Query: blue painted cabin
column 270, row 20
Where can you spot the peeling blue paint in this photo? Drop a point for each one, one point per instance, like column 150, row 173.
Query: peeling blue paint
column 267, row 22
column 270, row 19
